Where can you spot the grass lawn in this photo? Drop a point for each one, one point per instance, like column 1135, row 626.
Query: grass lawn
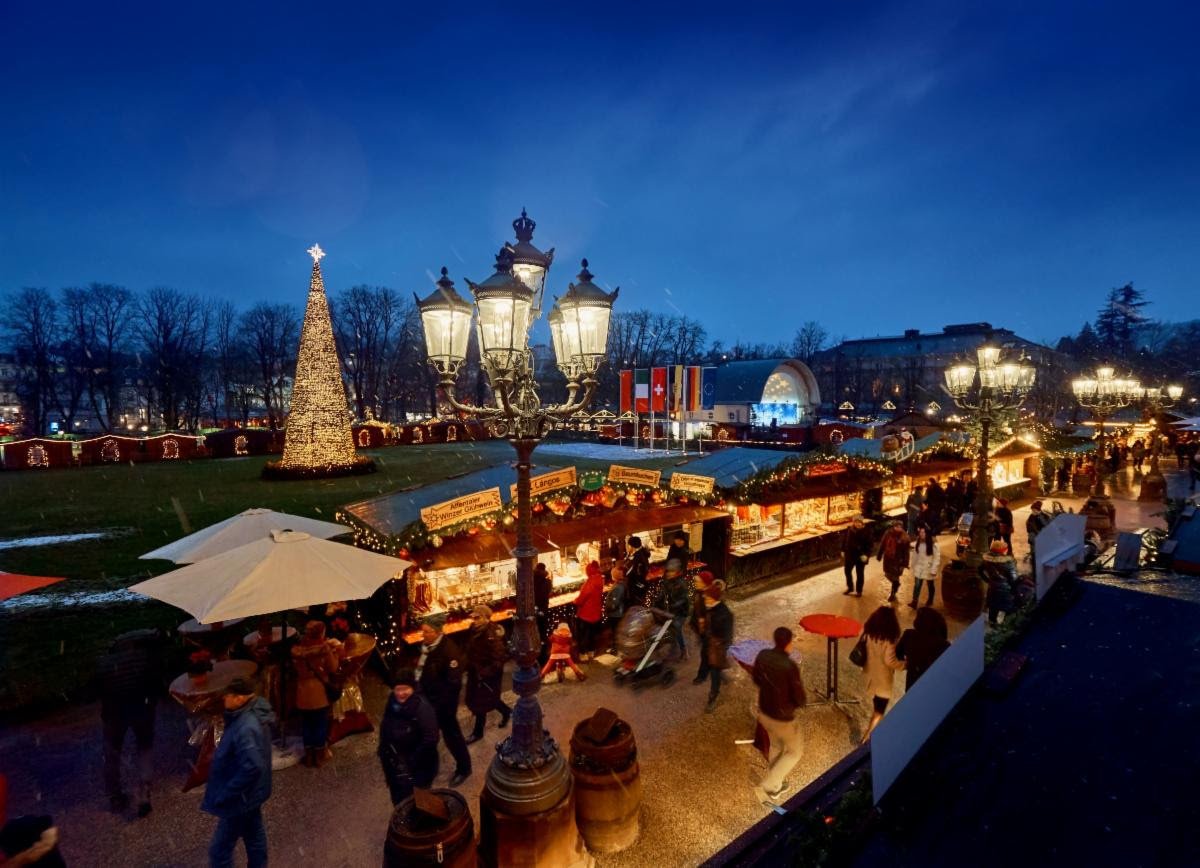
column 47, row 654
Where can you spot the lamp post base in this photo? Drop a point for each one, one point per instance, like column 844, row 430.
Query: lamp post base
column 1101, row 516
column 1154, row 484
column 527, row 817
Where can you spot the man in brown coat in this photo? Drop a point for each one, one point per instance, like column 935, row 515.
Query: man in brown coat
column 780, row 693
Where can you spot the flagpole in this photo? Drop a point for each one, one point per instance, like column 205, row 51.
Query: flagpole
column 683, row 410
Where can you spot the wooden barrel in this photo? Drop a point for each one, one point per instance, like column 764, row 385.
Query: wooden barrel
column 962, row 591
column 608, row 787
column 414, row 838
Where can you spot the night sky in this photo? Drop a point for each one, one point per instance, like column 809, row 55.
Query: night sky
column 872, row 166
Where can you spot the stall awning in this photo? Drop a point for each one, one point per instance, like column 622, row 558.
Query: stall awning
column 731, row 466
column 485, row 548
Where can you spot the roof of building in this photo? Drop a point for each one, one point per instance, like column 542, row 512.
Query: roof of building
column 743, row 382
column 954, row 339
column 391, row 513
column 873, row 448
column 731, row 466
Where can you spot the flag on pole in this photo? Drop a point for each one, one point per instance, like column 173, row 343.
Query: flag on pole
column 676, row 374
column 708, row 388
column 693, row 389
column 626, row 392
column 658, row 390
column 641, row 390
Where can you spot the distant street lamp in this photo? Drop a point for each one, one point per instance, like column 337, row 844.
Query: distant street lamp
column 1104, row 394
column 1157, row 398
column 528, row 774
column 988, row 389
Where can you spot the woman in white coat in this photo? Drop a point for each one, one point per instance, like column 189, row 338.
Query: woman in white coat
column 883, row 632
column 926, row 561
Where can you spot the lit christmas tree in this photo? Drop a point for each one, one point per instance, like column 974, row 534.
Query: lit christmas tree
column 319, row 441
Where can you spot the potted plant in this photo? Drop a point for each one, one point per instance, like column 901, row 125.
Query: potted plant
column 199, row 665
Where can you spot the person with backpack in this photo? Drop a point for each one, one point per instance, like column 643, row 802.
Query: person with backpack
column 131, row 682
column 678, row 604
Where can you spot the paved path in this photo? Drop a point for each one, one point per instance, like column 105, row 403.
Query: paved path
column 697, row 782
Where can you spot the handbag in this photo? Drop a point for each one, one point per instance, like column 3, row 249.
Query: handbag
column 858, row 654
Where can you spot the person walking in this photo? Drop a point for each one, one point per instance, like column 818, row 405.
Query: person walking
column 856, row 551
column 922, row 644
column 956, row 494
column 926, row 561
column 485, row 671
column 1035, row 524
column 589, row 611
column 408, row 737
column 999, row 570
column 614, row 605
column 239, row 779
column 439, row 678
column 912, row 508
column 675, row 592
column 1194, row 468
column 1139, row 454
column 716, row 636
column 1004, row 522
column 780, row 693
column 637, row 573
column 131, row 681
column 935, row 499
column 893, row 551
column 543, row 587
column 315, row 660
column 883, row 632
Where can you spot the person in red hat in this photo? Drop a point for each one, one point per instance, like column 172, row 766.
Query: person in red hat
column 999, row 570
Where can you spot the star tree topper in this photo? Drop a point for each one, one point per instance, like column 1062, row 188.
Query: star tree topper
column 316, row 252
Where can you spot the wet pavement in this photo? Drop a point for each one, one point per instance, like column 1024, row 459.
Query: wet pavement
column 697, row 782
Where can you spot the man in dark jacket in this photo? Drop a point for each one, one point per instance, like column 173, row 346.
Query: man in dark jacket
column 780, row 693
column 408, row 736
column 716, row 635
column 856, row 551
column 439, row 678
column 239, row 779
column 543, row 588
column 637, row 572
column 935, row 496
column 131, row 680
column 679, row 550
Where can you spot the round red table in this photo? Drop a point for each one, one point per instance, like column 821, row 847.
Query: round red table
column 833, row 628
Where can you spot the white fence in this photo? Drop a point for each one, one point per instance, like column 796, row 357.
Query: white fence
column 1059, row 548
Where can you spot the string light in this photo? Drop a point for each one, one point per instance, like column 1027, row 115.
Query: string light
column 319, row 440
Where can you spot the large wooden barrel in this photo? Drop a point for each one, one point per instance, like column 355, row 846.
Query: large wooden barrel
column 415, row 839
column 962, row 591
column 608, row 787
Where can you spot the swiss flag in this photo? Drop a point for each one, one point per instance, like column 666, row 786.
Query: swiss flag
column 658, row 390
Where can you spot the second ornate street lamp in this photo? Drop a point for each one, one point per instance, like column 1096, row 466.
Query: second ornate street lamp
column 1157, row 398
column 527, row 813
column 1103, row 394
column 990, row 389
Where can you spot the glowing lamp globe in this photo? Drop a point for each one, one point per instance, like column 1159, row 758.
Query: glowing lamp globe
column 530, row 264
column 446, row 317
column 959, row 379
column 554, row 320
column 504, row 305
column 1174, row 392
column 586, row 310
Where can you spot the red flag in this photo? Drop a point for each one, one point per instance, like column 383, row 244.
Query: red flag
column 626, row 392
column 693, row 384
column 658, row 390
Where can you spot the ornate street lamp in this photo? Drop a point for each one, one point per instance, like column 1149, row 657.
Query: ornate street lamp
column 528, row 776
column 1103, row 394
column 530, row 265
column 989, row 389
column 1157, row 399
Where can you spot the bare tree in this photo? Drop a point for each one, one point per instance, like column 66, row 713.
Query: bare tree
column 171, row 328
column 272, row 333
column 30, row 321
column 110, row 309
column 810, row 339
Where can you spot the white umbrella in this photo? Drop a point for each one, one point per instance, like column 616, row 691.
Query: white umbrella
column 286, row 570
column 245, row 527
column 1195, row 420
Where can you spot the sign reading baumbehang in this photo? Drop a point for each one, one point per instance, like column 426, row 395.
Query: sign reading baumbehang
column 691, row 483
column 461, row 508
column 547, row 482
column 634, row 475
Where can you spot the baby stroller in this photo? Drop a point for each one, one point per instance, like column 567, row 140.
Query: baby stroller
column 964, row 533
column 647, row 647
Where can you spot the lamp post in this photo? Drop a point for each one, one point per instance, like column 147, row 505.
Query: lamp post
column 1157, row 398
column 988, row 389
column 527, row 811
column 1103, row 394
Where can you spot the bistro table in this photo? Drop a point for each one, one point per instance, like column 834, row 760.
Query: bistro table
column 833, row 628
column 204, row 705
column 744, row 651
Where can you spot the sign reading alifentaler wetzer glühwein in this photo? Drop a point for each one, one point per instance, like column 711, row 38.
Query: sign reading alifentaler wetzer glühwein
column 547, row 482
column 461, row 508
column 692, row 483
column 634, row 475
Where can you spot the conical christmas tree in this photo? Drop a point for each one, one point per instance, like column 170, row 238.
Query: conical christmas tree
column 319, row 441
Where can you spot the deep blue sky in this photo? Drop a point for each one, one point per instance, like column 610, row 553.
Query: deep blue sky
column 873, row 166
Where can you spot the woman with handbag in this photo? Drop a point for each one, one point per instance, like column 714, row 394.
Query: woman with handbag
column 716, row 635
column 881, row 632
column 316, row 660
